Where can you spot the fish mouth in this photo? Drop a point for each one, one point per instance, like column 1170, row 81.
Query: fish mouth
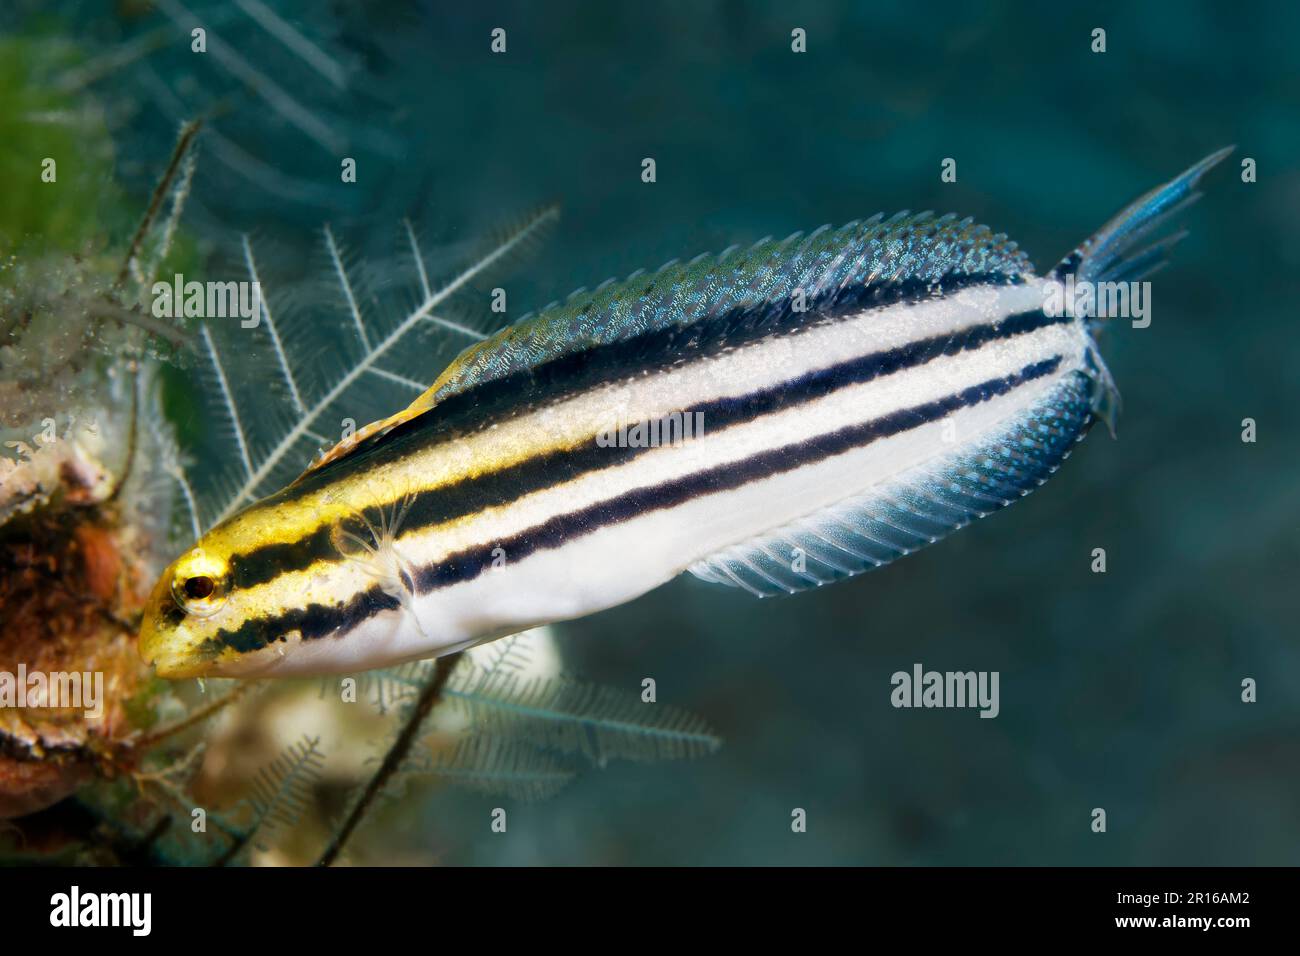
column 174, row 660
column 167, row 654
column 168, row 663
column 178, row 667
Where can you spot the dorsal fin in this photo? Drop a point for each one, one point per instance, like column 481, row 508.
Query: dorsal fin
column 865, row 254
column 871, row 252
column 345, row 446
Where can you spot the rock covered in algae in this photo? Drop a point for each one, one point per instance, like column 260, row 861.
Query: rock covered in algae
column 78, row 551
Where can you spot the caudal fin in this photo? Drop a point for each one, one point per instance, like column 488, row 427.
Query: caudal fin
column 1134, row 244
column 1131, row 245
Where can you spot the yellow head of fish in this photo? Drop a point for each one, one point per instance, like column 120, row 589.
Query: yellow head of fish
column 231, row 607
column 185, row 612
column 190, row 611
column 305, row 582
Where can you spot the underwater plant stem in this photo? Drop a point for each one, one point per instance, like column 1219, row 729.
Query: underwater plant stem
column 183, row 142
column 133, row 442
column 430, row 694
column 198, row 716
column 116, row 313
column 116, row 59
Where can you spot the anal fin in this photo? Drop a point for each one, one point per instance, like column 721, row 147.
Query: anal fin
column 916, row 508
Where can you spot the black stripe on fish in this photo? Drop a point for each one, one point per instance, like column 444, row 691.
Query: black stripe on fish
column 312, row 622
column 559, row 530
column 316, row 621
column 522, row 392
column 470, row 495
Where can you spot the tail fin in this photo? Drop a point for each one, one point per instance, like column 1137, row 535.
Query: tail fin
column 1120, row 252
column 1115, row 253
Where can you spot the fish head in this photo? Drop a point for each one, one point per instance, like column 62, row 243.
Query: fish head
column 258, row 593
column 207, row 616
column 180, row 632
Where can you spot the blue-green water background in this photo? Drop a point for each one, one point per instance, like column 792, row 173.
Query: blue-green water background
column 1118, row 690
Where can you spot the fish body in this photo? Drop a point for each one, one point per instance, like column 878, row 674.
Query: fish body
column 773, row 419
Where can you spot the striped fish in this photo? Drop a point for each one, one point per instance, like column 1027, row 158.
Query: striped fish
column 772, row 419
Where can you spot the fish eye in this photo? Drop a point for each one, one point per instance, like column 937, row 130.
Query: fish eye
column 199, row 587
column 199, row 583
